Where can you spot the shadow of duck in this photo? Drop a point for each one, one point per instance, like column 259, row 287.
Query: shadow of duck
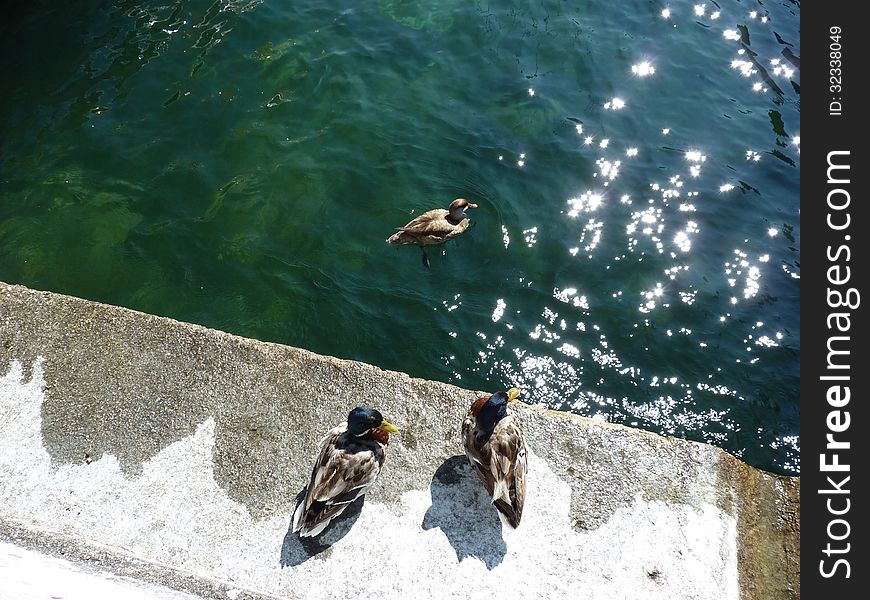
column 462, row 510
column 296, row 550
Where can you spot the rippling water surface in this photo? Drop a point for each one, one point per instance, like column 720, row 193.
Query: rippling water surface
column 635, row 256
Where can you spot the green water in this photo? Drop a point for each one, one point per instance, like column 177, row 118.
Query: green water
column 239, row 164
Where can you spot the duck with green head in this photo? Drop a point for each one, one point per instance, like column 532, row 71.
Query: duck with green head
column 350, row 459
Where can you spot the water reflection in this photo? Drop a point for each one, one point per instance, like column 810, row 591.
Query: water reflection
column 643, row 69
column 589, row 353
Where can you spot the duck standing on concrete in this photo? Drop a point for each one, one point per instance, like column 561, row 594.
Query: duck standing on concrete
column 434, row 227
column 351, row 456
column 496, row 449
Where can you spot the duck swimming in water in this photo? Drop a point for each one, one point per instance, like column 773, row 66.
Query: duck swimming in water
column 434, row 226
column 351, row 456
column 496, row 449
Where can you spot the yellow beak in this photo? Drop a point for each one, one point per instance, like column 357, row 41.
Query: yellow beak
column 513, row 394
column 388, row 427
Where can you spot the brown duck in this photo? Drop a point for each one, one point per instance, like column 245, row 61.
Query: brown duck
column 434, row 226
column 496, row 449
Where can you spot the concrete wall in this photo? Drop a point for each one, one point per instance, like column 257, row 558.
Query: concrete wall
column 174, row 453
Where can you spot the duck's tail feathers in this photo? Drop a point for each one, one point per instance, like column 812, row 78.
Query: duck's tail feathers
column 508, row 513
column 297, row 514
column 315, row 520
column 400, row 237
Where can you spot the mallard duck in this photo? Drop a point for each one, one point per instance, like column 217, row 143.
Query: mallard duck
column 434, row 226
column 350, row 459
column 496, row 449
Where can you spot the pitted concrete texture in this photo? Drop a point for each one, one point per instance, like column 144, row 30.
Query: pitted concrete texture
column 28, row 575
column 186, row 448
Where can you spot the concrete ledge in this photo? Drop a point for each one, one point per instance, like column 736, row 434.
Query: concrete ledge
column 37, row 564
column 185, row 448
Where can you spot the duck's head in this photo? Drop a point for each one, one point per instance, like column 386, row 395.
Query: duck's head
column 494, row 409
column 363, row 419
column 458, row 207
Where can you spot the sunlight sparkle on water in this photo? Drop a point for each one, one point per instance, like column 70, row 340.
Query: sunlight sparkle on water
column 766, row 342
column 650, row 297
column 569, row 350
column 682, row 241
column 631, row 152
column 587, row 202
column 752, row 287
column 569, row 296
column 666, row 13
column 530, row 236
column 700, row 9
column 783, row 70
column 688, row 297
column 615, row 104
column 451, row 306
column 594, row 227
column 744, row 66
column 608, row 169
column 731, row 34
column 643, row 69
column 498, row 313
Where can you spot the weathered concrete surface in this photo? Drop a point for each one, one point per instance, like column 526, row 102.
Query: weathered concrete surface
column 29, row 575
column 185, row 448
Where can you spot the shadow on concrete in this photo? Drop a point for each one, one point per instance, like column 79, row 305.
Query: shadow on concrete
column 463, row 510
column 296, row 550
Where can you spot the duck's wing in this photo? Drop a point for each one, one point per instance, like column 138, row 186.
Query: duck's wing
column 501, row 463
column 344, row 469
column 430, row 223
column 478, row 459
